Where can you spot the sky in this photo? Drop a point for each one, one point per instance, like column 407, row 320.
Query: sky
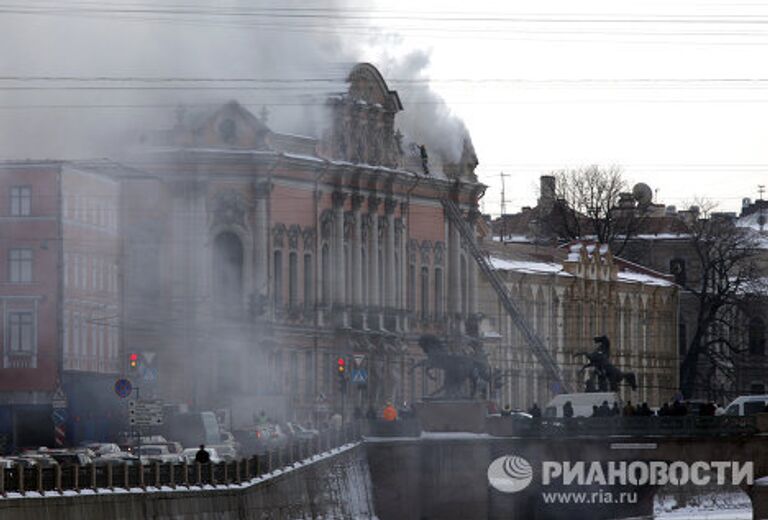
column 649, row 86
column 674, row 92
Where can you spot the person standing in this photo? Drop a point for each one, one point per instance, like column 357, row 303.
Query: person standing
column 202, row 456
column 389, row 413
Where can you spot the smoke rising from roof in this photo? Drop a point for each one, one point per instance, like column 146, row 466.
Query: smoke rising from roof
column 427, row 119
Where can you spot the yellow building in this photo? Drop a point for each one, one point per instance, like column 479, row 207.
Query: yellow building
column 571, row 294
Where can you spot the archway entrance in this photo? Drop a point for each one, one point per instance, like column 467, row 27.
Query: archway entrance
column 228, row 270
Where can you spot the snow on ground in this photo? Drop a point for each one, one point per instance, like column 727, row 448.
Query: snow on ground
column 697, row 514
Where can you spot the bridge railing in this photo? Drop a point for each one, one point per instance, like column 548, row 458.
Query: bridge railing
column 101, row 474
column 604, row 426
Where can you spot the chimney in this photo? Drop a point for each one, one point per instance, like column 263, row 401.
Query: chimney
column 547, row 193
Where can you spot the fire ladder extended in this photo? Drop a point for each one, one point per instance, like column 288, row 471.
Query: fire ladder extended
column 532, row 339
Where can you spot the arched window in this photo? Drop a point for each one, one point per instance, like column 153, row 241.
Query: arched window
column 425, row 293
column 757, row 337
column 278, row 279
column 309, row 296
column 438, row 292
column 293, row 279
column 227, row 269
column 326, row 273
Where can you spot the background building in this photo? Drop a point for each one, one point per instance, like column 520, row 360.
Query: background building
column 570, row 295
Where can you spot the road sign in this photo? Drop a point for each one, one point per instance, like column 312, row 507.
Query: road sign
column 145, row 413
column 123, row 388
column 59, row 400
column 359, row 359
column 150, row 374
column 359, row 375
column 59, row 416
column 149, row 357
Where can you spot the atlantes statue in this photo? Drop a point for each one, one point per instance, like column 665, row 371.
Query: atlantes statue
column 604, row 376
column 468, row 365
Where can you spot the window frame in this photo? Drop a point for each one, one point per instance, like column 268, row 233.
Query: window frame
column 20, row 194
column 16, row 265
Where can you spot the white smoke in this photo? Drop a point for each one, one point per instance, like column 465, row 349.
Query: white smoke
column 426, row 118
column 86, row 116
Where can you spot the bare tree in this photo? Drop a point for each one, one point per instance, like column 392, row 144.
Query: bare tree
column 594, row 203
column 724, row 285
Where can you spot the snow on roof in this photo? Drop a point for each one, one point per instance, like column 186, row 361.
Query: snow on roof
column 631, row 276
column 524, row 266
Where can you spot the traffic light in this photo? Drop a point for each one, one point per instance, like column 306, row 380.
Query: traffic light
column 133, row 362
column 341, row 369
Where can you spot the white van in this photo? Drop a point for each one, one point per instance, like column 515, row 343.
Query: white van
column 582, row 403
column 747, row 405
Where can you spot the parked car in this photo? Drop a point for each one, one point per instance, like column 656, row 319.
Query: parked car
column 103, row 448
column 257, row 440
column 747, row 405
column 226, row 452
column 298, row 432
column 189, row 455
column 157, row 453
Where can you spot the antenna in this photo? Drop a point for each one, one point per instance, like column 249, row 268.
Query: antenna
column 761, row 190
column 503, row 195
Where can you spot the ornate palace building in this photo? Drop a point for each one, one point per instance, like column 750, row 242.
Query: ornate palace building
column 254, row 260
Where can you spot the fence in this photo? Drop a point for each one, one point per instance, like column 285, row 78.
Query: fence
column 690, row 425
column 105, row 474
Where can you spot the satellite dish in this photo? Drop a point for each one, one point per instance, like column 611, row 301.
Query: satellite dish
column 642, row 194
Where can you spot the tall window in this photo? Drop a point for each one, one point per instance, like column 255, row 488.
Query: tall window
column 425, row 293
column 293, row 279
column 438, row 292
column 228, row 269
column 278, row 279
column 21, row 201
column 21, row 334
column 326, row 270
column 20, row 263
column 756, row 337
column 411, row 281
column 309, row 296
column 364, row 276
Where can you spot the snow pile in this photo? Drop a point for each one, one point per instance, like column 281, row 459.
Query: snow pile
column 523, row 266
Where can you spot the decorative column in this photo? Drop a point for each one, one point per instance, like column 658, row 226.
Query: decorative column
column 261, row 241
column 373, row 258
column 472, row 217
column 357, row 238
column 389, row 254
column 454, row 276
column 339, row 269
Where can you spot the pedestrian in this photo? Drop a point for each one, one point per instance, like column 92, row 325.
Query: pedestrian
column 629, row 410
column 202, row 456
column 665, row 411
column 535, row 411
column 595, row 411
column 604, row 410
column 506, row 411
column 389, row 413
column 336, row 421
column 615, row 410
column 370, row 414
column 568, row 409
column 262, row 419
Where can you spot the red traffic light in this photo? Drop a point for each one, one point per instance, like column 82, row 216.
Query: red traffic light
column 134, row 357
column 133, row 360
column 341, row 364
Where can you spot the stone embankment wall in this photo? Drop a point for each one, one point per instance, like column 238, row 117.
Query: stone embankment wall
column 334, row 485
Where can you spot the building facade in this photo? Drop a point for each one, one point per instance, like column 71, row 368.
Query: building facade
column 571, row 295
column 254, row 260
column 59, row 297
